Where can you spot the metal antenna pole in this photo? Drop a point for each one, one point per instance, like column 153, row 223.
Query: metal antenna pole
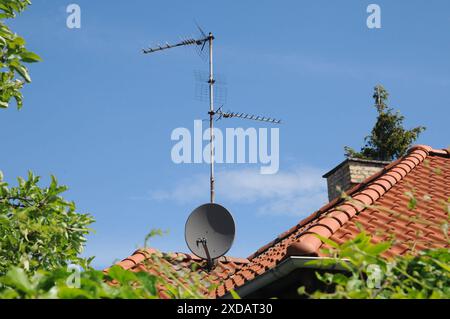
column 211, row 115
column 212, row 112
column 211, row 81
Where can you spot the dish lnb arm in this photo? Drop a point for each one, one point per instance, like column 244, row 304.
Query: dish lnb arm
column 203, row 241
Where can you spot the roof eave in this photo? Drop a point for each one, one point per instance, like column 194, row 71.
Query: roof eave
column 282, row 270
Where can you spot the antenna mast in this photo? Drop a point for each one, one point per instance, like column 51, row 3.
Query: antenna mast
column 211, row 118
column 211, row 81
column 212, row 112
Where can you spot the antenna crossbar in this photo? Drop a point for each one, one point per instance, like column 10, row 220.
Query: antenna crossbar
column 166, row 46
column 245, row 116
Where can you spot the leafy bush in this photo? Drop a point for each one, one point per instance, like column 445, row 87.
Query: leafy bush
column 92, row 284
column 116, row 283
column 38, row 228
column 13, row 72
column 369, row 275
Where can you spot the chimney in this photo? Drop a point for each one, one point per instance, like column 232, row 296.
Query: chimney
column 349, row 173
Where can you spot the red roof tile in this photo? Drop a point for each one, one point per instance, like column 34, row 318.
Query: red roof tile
column 179, row 263
column 379, row 204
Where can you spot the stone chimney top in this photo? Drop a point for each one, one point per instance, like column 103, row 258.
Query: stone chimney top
column 349, row 173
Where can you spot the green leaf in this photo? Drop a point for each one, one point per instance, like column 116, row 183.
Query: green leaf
column 121, row 275
column 446, row 267
column 379, row 248
column 327, row 241
column 19, row 41
column 339, row 279
column 22, row 70
column 30, row 57
column 17, row 278
column 148, row 281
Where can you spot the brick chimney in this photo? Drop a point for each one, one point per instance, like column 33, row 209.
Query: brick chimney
column 349, row 173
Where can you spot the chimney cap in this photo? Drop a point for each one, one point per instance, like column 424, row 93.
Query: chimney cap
column 356, row 160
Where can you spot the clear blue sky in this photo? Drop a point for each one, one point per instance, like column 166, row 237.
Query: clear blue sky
column 99, row 114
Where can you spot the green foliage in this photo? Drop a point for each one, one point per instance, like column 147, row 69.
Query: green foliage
column 366, row 273
column 179, row 283
column 13, row 72
column 369, row 275
column 161, row 280
column 388, row 139
column 151, row 234
column 116, row 283
column 93, row 284
column 38, row 228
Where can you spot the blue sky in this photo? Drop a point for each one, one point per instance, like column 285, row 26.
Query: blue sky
column 99, row 114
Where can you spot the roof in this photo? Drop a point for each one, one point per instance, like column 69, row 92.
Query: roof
column 379, row 204
column 181, row 264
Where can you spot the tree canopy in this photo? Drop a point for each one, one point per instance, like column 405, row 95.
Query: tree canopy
column 13, row 72
column 388, row 139
column 38, row 228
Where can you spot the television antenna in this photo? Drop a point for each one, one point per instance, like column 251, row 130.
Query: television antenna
column 201, row 43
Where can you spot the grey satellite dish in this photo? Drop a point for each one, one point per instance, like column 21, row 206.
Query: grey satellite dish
column 210, row 232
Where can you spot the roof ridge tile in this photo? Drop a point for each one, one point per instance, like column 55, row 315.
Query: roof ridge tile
column 391, row 174
column 430, row 150
column 308, row 243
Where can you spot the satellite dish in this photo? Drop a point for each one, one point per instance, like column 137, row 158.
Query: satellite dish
column 210, row 231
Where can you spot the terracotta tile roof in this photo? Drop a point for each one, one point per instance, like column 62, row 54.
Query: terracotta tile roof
column 183, row 264
column 379, row 204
